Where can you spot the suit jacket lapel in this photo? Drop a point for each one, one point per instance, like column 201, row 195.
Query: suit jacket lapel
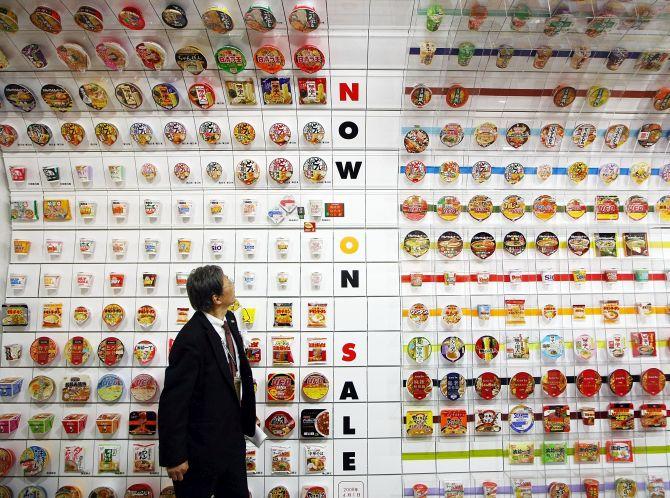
column 217, row 347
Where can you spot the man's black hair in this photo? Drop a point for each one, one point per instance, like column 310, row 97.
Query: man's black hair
column 203, row 283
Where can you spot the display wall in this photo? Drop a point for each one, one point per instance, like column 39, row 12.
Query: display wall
column 444, row 222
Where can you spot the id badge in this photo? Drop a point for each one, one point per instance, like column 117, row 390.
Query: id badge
column 237, row 381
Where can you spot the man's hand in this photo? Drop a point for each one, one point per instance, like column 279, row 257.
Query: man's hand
column 177, row 473
column 258, row 422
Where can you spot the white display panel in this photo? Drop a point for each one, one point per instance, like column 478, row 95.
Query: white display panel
column 372, row 52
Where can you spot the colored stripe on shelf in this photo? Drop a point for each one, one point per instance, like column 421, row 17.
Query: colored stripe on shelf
column 498, row 453
column 488, row 52
column 537, row 92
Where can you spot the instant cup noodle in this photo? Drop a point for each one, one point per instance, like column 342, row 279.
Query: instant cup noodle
column 230, row 59
column 131, row 18
column 165, row 96
column 54, row 247
column 486, row 134
column 521, row 14
column 112, row 55
column 151, row 246
column 94, row 96
column 86, row 246
column 282, row 246
column 280, row 170
column 21, row 247
column 216, row 246
column 116, row 280
column 249, row 208
column 8, row 135
column 641, row 274
column 119, row 209
column 144, row 351
column 210, row 132
column 416, row 140
column 129, row 95
column 249, row 279
column 616, row 58
column 141, row 133
column 143, row 387
column 182, row 171
column 649, row 134
column 466, row 50
column 661, row 100
column 34, row 55
column 592, row 488
column 39, row 134
column 259, row 17
column 249, row 246
column 180, row 279
column 420, row 96
column 505, row 54
column 174, row 16
column 72, row 133
column 18, row 173
column 279, row 133
column 434, row 15
column 149, row 280
column 20, row 97
column 218, row 19
column 17, row 281
column 315, row 208
column 313, row 133
column 580, row 56
column 518, row 134
column 216, row 208
column 269, row 58
column 542, row 55
column 416, row 279
column 315, row 246
column 483, row 277
column 51, row 174
column 282, row 279
column 119, row 246
column 456, row 96
column 309, row 59
column 426, row 52
column 46, row 19
column 73, row 56
column 201, row 95
column 87, row 210
column 564, row 95
column 597, row 96
column 191, row 59
column 184, row 208
column 184, row 246
column 84, row 280
column 151, row 54
column 8, row 20
column 315, row 169
column 51, row 281
column 304, row 17
column 650, row 61
column 56, row 97
column 89, row 19
column 478, row 14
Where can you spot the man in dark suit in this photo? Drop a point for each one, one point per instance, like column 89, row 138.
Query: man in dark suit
column 208, row 403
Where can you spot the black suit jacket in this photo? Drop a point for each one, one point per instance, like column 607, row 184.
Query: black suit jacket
column 200, row 418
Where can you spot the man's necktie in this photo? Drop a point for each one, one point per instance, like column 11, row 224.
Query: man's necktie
column 230, row 350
